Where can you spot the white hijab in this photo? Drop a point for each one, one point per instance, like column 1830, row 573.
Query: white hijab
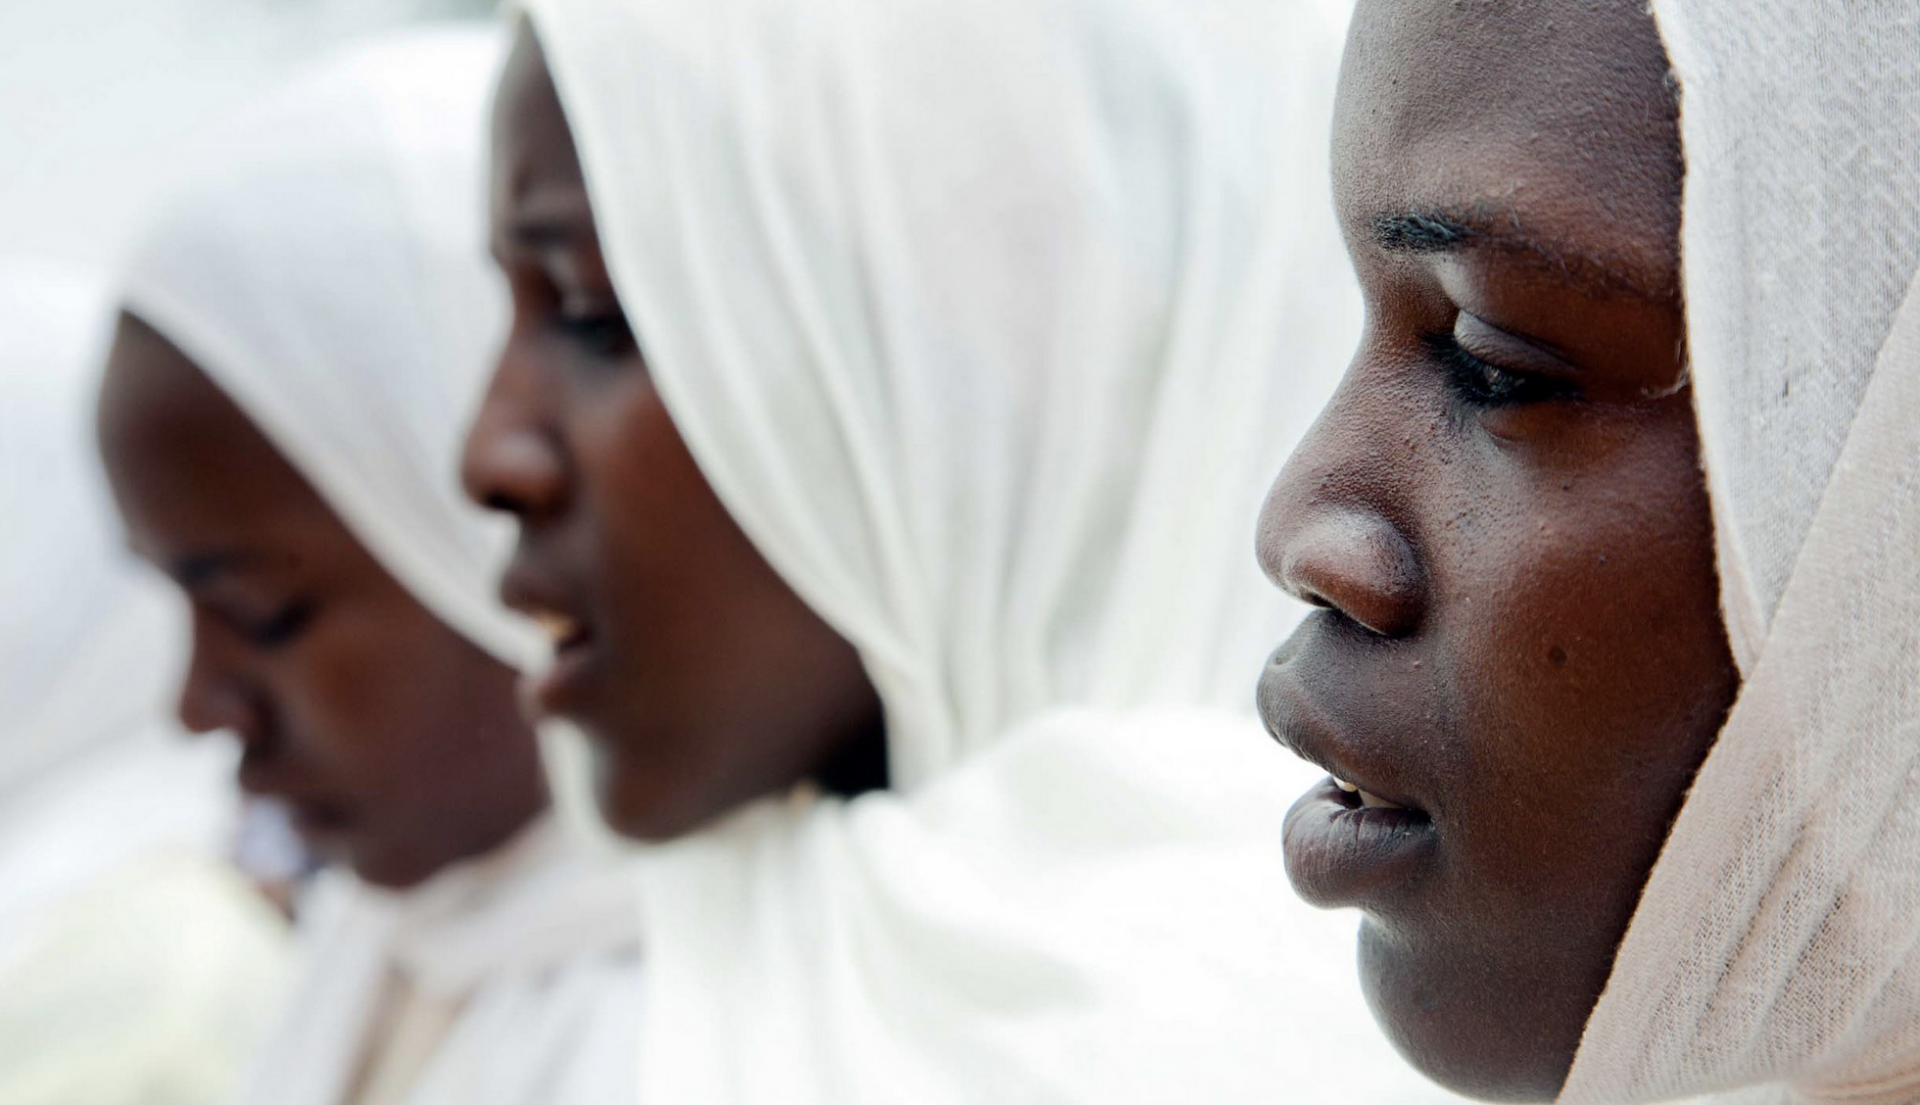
column 326, row 268
column 89, row 643
column 132, row 962
column 989, row 322
column 1778, row 941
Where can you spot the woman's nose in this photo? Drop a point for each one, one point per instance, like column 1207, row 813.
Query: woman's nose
column 1325, row 542
column 213, row 695
column 512, row 460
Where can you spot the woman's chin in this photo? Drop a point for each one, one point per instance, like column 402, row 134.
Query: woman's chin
column 1428, row 1002
column 632, row 802
column 389, row 871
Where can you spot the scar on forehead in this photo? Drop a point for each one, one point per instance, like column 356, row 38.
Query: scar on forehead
column 1444, row 230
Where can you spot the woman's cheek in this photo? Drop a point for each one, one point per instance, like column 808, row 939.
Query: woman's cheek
column 363, row 687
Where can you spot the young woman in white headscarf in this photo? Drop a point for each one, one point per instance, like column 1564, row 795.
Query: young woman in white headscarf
column 307, row 325
column 888, row 391
column 1615, row 524
column 133, row 959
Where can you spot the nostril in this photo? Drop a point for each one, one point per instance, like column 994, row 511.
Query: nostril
column 517, row 472
column 209, row 706
column 1358, row 564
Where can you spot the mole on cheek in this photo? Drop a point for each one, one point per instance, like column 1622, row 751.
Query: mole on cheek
column 1557, row 656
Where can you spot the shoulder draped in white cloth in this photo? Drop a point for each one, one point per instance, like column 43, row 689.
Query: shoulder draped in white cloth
column 326, row 268
column 1778, row 941
column 989, row 321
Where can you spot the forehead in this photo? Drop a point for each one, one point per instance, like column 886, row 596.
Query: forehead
column 1555, row 114
column 533, row 148
column 186, row 465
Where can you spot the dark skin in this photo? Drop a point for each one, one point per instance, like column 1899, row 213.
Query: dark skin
column 1502, row 519
column 702, row 680
column 396, row 742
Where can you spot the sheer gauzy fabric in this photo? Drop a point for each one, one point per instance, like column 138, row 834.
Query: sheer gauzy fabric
column 1776, row 943
column 513, row 979
column 88, row 641
column 326, row 268
column 989, row 322
column 133, row 965
column 326, row 264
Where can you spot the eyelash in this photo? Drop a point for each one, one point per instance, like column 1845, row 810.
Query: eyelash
column 604, row 334
column 282, row 628
column 1483, row 386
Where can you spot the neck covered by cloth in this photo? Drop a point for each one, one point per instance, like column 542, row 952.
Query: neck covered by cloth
column 511, row 979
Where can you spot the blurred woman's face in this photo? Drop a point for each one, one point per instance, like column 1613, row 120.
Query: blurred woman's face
column 701, row 678
column 1518, row 659
column 395, row 742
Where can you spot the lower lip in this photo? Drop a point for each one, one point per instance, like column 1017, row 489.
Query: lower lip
column 554, row 690
column 1341, row 856
column 318, row 824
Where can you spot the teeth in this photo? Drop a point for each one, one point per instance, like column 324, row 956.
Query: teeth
column 1367, row 801
column 558, row 627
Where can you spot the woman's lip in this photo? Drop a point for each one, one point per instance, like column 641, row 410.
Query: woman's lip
column 317, row 817
column 539, row 596
column 319, row 822
column 1305, row 727
column 559, row 690
column 1339, row 853
column 564, row 631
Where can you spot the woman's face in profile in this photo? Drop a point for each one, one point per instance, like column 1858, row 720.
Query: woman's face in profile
column 701, row 678
column 394, row 741
column 1518, row 661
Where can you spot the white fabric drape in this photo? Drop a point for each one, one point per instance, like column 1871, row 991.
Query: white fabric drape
column 326, row 267
column 525, row 963
column 132, row 965
column 89, row 642
column 1778, row 942
column 990, row 321
column 326, row 264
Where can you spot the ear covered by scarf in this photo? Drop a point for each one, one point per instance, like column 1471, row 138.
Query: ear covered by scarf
column 1777, row 945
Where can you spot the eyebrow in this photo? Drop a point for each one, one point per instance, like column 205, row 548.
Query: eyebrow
column 549, row 217
column 1445, row 230
column 201, row 569
column 542, row 233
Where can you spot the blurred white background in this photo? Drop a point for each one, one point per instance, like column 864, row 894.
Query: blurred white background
column 95, row 95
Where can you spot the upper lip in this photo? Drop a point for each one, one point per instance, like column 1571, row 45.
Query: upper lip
column 270, row 780
column 537, row 595
column 318, row 814
column 1302, row 726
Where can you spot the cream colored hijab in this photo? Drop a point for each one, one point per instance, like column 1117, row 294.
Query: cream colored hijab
column 1778, row 942
column 325, row 264
column 133, row 964
column 89, row 642
column 989, row 321
column 326, row 267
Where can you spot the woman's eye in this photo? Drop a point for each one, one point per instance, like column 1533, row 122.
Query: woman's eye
column 598, row 333
column 282, row 627
column 1481, row 385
